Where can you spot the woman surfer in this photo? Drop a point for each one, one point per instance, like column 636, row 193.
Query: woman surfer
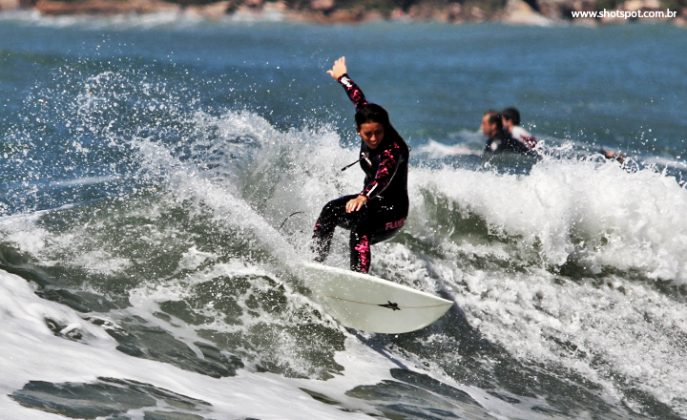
column 378, row 211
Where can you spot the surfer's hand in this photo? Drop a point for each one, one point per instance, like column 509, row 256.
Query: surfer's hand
column 356, row 203
column 338, row 69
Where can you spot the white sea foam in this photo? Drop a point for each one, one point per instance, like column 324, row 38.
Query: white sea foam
column 600, row 332
column 31, row 352
column 132, row 20
column 435, row 150
column 597, row 213
column 93, row 180
column 661, row 163
column 178, row 19
column 594, row 212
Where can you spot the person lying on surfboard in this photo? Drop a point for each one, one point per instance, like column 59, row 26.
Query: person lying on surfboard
column 379, row 210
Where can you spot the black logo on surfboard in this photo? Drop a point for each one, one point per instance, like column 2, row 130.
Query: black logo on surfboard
column 391, row 305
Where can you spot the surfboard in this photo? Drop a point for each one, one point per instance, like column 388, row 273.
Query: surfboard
column 372, row 304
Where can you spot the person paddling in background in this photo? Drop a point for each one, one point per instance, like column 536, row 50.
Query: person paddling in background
column 379, row 210
column 497, row 139
column 511, row 124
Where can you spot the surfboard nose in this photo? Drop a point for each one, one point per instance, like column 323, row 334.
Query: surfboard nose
column 370, row 303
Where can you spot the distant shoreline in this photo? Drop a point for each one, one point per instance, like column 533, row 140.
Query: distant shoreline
column 517, row 12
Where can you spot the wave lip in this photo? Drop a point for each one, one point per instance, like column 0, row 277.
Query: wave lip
column 597, row 214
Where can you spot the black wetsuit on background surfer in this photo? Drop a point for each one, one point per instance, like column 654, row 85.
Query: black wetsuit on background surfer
column 499, row 140
column 380, row 209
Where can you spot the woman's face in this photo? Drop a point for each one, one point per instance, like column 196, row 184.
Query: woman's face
column 371, row 133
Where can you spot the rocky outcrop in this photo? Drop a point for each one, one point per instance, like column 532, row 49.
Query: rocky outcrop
column 525, row 12
column 9, row 4
column 212, row 11
column 103, row 7
column 518, row 12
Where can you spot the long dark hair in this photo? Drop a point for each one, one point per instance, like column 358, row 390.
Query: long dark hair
column 375, row 113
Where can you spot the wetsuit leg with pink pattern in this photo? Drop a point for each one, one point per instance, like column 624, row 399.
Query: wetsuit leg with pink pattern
column 374, row 223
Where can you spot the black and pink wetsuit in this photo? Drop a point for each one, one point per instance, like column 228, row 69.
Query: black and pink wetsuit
column 386, row 179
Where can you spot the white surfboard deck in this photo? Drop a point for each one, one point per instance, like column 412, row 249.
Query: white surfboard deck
column 369, row 303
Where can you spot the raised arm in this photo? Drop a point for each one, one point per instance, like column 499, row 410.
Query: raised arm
column 338, row 72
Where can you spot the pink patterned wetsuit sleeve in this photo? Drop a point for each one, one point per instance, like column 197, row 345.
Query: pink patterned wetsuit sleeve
column 355, row 94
